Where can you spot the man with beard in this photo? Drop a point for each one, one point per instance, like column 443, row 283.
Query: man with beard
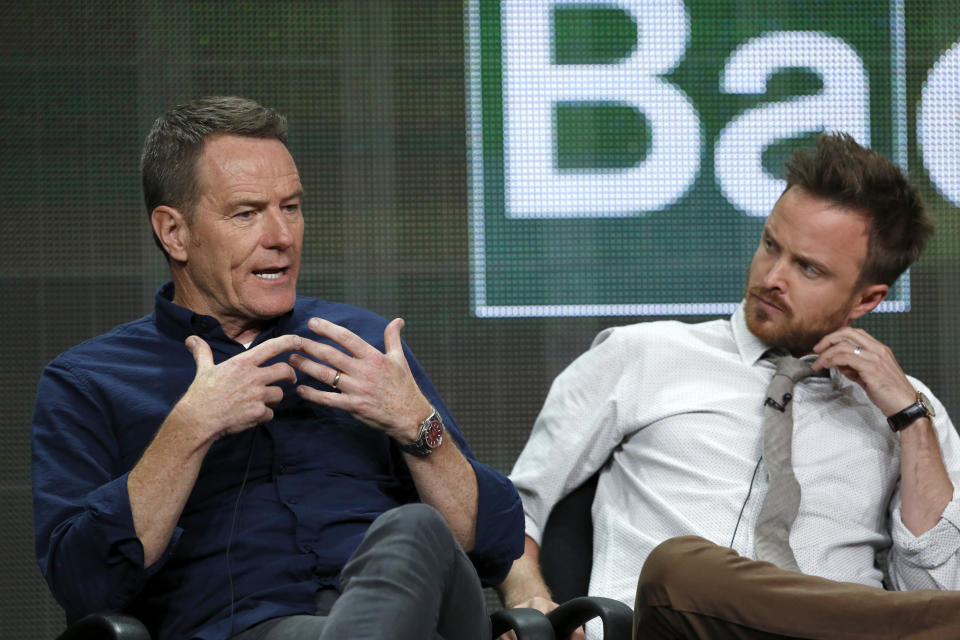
column 672, row 415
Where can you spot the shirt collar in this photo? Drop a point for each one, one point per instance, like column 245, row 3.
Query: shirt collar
column 751, row 348
column 180, row 323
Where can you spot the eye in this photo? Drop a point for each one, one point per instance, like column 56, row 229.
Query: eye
column 244, row 215
column 809, row 269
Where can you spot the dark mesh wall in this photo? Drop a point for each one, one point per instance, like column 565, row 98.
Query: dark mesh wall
column 377, row 98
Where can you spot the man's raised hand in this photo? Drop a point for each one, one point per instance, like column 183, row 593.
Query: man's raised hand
column 376, row 388
column 238, row 393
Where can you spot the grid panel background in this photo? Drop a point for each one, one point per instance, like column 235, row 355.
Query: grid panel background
column 375, row 94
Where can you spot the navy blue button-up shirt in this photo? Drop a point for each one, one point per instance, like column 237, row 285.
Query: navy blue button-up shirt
column 290, row 498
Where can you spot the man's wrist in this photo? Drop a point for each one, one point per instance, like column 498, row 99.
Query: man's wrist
column 188, row 430
column 429, row 437
column 921, row 407
column 411, row 430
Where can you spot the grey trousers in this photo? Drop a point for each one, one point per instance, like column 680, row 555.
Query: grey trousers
column 692, row 588
column 408, row 579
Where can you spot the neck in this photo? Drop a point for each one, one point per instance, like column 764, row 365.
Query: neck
column 242, row 330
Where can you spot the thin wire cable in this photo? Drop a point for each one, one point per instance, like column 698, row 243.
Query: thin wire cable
column 745, row 501
column 233, row 525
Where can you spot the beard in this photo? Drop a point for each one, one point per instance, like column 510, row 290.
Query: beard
column 797, row 335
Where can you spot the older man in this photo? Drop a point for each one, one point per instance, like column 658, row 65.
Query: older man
column 248, row 461
column 782, row 434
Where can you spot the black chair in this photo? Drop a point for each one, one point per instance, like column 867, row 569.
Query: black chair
column 114, row 626
column 566, row 558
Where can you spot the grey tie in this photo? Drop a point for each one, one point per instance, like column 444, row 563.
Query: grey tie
column 783, row 496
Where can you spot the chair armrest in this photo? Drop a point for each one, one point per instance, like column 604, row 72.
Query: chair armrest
column 112, row 626
column 528, row 624
column 617, row 618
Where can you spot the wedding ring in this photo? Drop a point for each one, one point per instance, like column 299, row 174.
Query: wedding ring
column 336, row 379
column 857, row 350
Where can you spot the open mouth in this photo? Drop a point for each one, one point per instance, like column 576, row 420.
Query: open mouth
column 270, row 274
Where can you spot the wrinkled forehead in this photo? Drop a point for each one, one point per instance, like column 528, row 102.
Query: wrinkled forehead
column 819, row 229
column 235, row 163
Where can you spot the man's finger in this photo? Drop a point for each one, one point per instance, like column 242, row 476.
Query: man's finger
column 829, row 340
column 274, row 396
column 347, row 339
column 326, row 353
column 391, row 336
column 326, row 398
column 272, row 348
column 200, row 351
column 319, row 372
column 279, row 372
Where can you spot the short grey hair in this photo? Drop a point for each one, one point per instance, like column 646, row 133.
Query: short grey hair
column 176, row 140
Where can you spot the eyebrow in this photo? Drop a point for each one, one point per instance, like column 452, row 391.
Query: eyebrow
column 256, row 203
column 298, row 193
column 797, row 257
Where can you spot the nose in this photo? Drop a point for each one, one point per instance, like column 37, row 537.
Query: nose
column 278, row 232
column 776, row 276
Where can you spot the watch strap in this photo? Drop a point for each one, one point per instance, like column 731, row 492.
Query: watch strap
column 907, row 416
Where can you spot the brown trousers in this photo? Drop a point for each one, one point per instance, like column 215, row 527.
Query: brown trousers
column 692, row 588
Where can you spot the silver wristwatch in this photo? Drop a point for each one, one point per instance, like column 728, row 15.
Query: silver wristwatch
column 431, row 436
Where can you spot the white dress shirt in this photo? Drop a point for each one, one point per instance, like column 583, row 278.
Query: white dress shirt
column 673, row 412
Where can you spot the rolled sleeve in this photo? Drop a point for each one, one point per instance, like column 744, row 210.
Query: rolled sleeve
column 95, row 560
column 86, row 544
column 930, row 560
column 499, row 533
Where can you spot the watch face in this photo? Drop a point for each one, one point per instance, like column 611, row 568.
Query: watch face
column 927, row 405
column 434, row 434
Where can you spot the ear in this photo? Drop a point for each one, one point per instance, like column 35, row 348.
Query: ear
column 868, row 299
column 172, row 229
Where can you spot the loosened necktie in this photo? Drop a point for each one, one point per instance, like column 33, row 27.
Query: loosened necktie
column 772, row 533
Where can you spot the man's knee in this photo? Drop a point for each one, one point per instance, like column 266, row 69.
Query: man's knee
column 415, row 517
column 417, row 528
column 674, row 566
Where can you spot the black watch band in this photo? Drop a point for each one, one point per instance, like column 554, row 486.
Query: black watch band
column 922, row 408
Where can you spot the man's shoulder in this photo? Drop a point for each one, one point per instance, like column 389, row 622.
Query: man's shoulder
column 661, row 332
column 334, row 311
column 105, row 346
column 363, row 322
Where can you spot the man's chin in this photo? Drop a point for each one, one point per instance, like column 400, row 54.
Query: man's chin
column 776, row 337
column 266, row 309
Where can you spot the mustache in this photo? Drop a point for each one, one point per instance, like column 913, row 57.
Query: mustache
column 769, row 296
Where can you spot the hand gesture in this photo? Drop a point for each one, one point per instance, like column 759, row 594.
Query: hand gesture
column 376, row 388
column 237, row 393
column 869, row 363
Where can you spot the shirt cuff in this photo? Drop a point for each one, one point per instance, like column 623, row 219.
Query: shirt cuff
column 109, row 507
column 933, row 547
column 499, row 537
column 532, row 529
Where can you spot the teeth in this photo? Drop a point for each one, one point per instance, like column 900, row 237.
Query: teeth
column 268, row 276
